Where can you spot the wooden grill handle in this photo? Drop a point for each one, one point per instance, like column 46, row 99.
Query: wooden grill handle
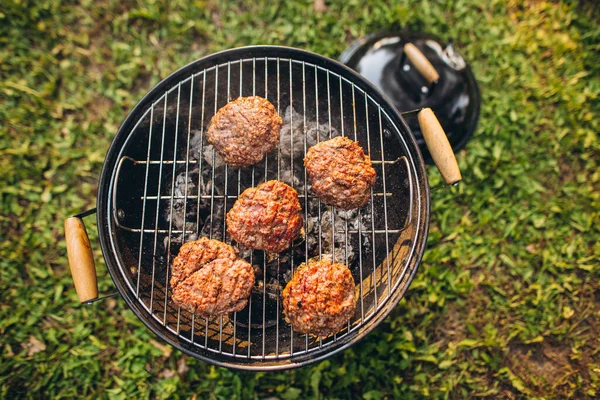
column 439, row 147
column 81, row 259
column 421, row 63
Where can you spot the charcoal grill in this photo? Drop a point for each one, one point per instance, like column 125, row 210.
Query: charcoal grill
column 162, row 185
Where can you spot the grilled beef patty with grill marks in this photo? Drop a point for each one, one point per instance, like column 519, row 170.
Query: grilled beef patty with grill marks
column 267, row 217
column 245, row 130
column 320, row 298
column 209, row 279
column 340, row 172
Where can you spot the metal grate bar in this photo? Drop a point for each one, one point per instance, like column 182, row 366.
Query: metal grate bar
column 187, row 166
column 251, row 254
column 387, row 249
column 206, row 333
column 332, row 208
column 199, row 186
column 180, row 231
column 305, row 185
column 319, row 201
column 162, row 146
column 372, row 207
column 278, row 177
column 212, row 194
column 238, row 193
column 137, row 290
column 225, row 208
column 346, row 220
column 360, row 259
column 168, row 261
column 192, row 329
column 201, row 150
column 224, row 200
column 234, row 197
column 143, row 162
column 214, row 157
column 264, row 305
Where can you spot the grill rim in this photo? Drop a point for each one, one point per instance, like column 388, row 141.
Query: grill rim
column 107, row 237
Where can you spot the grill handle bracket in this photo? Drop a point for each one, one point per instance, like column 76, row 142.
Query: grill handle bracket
column 114, row 197
column 81, row 259
column 439, row 146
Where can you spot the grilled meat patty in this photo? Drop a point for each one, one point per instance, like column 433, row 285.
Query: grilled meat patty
column 267, row 217
column 208, row 278
column 245, row 130
column 320, row 298
column 340, row 172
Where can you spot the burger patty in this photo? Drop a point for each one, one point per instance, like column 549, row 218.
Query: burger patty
column 267, row 217
column 245, row 130
column 208, row 278
column 340, row 172
column 320, row 298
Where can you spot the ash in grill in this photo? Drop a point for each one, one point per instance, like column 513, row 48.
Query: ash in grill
column 317, row 241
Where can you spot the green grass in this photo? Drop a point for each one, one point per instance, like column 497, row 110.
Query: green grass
column 507, row 300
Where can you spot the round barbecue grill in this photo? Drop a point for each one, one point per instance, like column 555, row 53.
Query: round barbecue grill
column 162, row 185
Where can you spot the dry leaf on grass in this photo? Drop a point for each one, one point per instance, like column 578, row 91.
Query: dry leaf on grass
column 167, row 374
column 34, row 346
column 319, row 6
column 182, row 367
column 166, row 350
column 111, row 303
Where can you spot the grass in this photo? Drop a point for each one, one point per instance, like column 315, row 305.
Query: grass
column 507, row 300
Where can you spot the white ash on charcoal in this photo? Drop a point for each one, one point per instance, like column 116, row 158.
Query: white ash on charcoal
column 204, row 155
column 294, row 138
column 292, row 126
column 337, row 241
column 244, row 253
column 332, row 240
column 214, row 223
column 293, row 178
column 358, row 220
column 195, row 145
column 180, row 212
column 294, row 132
column 287, row 276
column 213, row 158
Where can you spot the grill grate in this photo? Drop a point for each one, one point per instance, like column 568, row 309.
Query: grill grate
column 157, row 155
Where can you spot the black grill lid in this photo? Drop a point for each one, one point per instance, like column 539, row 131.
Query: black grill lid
column 454, row 97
